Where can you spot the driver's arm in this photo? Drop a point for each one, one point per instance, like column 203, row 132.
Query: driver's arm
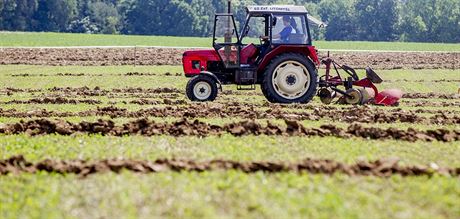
column 284, row 33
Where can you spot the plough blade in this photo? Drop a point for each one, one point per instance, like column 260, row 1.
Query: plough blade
column 389, row 97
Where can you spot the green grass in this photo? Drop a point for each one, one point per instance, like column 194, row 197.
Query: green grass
column 249, row 148
column 223, row 121
column 114, row 80
column 218, row 194
column 227, row 195
column 428, row 75
column 108, row 82
column 36, row 39
column 113, row 77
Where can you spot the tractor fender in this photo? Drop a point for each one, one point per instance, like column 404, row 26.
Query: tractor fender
column 307, row 51
column 213, row 76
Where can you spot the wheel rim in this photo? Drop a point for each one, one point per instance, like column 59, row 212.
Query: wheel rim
column 291, row 80
column 325, row 95
column 202, row 90
column 355, row 97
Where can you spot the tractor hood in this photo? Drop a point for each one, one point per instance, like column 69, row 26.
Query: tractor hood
column 204, row 54
column 195, row 60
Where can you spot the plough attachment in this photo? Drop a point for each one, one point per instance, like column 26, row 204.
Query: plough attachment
column 355, row 91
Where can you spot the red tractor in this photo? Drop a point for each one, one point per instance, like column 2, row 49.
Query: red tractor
column 274, row 50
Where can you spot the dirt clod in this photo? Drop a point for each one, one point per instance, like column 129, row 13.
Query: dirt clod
column 380, row 168
column 185, row 127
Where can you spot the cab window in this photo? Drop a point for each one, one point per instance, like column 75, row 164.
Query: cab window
column 254, row 30
column 290, row 29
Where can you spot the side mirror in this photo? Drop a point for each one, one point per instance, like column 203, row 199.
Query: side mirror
column 274, row 21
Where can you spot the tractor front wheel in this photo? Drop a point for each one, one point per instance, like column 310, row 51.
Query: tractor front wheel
column 290, row 78
column 201, row 88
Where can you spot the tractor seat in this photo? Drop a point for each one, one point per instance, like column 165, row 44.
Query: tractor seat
column 248, row 54
column 297, row 39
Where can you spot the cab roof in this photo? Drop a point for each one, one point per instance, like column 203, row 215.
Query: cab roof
column 276, row 9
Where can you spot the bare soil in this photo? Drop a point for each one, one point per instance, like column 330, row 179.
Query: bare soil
column 57, row 100
column 97, row 75
column 97, row 91
column 196, row 128
column 91, row 57
column 431, row 95
column 380, row 168
column 167, row 56
column 425, row 103
column 362, row 114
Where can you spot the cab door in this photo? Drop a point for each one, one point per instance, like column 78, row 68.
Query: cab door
column 226, row 40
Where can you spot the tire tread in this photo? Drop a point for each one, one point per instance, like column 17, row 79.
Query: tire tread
column 267, row 89
column 191, row 83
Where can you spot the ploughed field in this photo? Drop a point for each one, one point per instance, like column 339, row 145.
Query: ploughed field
column 173, row 56
column 104, row 141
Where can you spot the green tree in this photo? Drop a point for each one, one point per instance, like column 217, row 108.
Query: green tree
column 203, row 17
column 16, row 15
column 371, row 20
column 431, row 21
column 376, row 20
column 176, row 18
column 105, row 16
column 7, row 9
column 340, row 17
column 54, row 15
column 83, row 25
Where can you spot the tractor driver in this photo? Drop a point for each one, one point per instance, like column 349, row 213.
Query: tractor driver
column 287, row 30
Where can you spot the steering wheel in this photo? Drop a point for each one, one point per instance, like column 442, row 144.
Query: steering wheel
column 264, row 39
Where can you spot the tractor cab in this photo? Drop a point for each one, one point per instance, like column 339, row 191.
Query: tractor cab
column 243, row 57
column 265, row 28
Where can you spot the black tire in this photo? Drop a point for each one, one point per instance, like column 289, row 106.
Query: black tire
column 268, row 88
column 191, row 86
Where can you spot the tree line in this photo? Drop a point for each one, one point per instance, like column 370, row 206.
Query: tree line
column 367, row 20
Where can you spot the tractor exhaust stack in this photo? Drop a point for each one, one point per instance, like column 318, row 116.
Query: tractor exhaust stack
column 229, row 6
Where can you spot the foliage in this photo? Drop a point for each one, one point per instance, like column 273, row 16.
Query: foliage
column 431, row 21
column 164, row 17
column 15, row 14
column 54, row 15
column 339, row 16
column 83, row 25
column 364, row 20
column 376, row 19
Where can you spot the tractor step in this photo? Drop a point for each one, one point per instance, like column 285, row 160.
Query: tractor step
column 245, row 79
column 246, row 87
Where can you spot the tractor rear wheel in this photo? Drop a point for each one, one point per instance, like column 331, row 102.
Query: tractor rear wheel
column 290, row 78
column 201, row 88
